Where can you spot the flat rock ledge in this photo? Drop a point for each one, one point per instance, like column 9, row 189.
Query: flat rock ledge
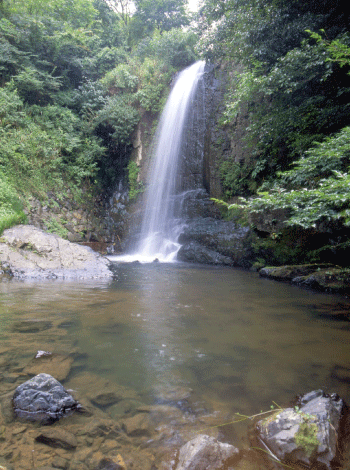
column 310, row 434
column 43, row 399
column 322, row 277
column 27, row 252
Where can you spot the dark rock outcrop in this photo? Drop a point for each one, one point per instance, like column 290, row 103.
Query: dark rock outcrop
column 43, row 399
column 195, row 253
column 206, row 452
column 213, row 241
column 309, row 434
column 30, row 253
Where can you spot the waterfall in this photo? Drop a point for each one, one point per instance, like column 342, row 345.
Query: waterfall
column 161, row 223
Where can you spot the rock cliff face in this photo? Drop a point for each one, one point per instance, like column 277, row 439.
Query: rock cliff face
column 222, row 143
column 101, row 221
column 207, row 238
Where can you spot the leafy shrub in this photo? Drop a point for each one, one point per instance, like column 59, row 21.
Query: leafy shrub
column 317, row 189
column 121, row 77
column 11, row 208
column 175, row 48
column 135, row 187
column 154, row 78
column 120, row 115
column 41, row 144
column 235, row 179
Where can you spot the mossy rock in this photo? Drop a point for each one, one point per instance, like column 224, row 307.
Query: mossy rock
column 333, row 280
column 290, row 272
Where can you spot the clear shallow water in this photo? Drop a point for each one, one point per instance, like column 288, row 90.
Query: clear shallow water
column 237, row 341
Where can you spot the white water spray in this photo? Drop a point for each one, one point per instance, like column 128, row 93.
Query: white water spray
column 161, row 226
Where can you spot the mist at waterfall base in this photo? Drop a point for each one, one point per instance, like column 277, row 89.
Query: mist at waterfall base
column 162, row 222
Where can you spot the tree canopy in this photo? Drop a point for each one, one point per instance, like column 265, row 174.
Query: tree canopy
column 75, row 78
column 292, row 60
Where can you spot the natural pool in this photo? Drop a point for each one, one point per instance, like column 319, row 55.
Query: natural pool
column 161, row 353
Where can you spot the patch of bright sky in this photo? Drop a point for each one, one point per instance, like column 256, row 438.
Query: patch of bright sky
column 193, row 5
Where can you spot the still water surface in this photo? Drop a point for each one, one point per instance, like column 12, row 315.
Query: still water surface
column 237, row 341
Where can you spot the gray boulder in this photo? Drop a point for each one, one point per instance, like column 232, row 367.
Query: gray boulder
column 43, row 399
column 307, row 434
column 213, row 241
column 195, row 253
column 206, row 453
column 28, row 252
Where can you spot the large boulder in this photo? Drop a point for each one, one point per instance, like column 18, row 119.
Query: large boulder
column 309, row 434
column 28, row 252
column 206, row 453
column 43, row 399
column 195, row 253
column 214, row 241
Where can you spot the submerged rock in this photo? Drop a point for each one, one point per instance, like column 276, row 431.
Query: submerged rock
column 43, row 399
column 56, row 437
column 57, row 365
column 111, row 464
column 31, row 253
column 309, row 434
column 137, row 425
column 207, row 453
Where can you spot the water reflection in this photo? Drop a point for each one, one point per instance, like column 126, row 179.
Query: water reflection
column 238, row 341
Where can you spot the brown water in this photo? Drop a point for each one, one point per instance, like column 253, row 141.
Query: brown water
column 185, row 346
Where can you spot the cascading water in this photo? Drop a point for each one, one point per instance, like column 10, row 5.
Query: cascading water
column 161, row 224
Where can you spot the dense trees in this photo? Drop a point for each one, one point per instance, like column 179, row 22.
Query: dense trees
column 294, row 59
column 75, row 78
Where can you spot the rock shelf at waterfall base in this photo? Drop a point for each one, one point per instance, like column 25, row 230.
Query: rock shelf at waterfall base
column 27, row 252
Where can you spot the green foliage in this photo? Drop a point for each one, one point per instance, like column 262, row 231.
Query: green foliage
column 120, row 114
column 34, row 86
column 11, row 208
column 292, row 84
column 316, row 190
column 154, row 80
column 120, row 78
column 175, row 48
column 55, row 226
column 72, row 91
column 135, row 186
column 78, row 13
column 41, row 144
column 88, row 99
column 159, row 14
column 236, row 179
column 306, row 437
column 338, row 49
column 290, row 107
column 288, row 247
